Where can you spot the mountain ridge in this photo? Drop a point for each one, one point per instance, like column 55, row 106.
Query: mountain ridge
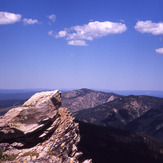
column 85, row 98
column 130, row 106
column 128, row 112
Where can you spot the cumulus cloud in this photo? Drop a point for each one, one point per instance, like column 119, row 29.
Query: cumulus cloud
column 9, row 18
column 149, row 27
column 160, row 50
column 79, row 34
column 77, row 43
column 30, row 21
column 52, row 17
column 61, row 34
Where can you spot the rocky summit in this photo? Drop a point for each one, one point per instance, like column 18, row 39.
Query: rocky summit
column 39, row 131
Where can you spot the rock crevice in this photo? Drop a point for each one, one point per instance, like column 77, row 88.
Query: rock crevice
column 39, row 131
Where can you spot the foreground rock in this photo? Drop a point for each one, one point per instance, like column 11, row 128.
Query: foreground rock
column 39, row 131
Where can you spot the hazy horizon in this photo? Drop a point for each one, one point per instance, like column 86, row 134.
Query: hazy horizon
column 8, row 93
column 31, row 89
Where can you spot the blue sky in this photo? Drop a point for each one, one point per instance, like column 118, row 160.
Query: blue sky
column 99, row 44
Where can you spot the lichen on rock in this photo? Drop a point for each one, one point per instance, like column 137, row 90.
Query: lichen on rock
column 39, row 131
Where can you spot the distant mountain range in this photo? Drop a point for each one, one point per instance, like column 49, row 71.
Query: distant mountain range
column 77, row 100
column 119, row 112
column 6, row 94
column 137, row 113
column 137, row 92
column 142, row 114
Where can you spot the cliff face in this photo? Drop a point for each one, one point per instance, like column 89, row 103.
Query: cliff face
column 39, row 131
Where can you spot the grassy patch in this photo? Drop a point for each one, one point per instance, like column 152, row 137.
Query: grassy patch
column 6, row 157
column 51, row 152
column 30, row 154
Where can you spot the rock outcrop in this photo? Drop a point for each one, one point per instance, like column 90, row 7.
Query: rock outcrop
column 39, row 131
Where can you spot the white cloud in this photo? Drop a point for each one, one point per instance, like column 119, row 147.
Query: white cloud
column 50, row 33
column 149, row 27
column 160, row 50
column 61, row 34
column 90, row 31
column 77, row 43
column 9, row 18
column 30, row 21
column 52, row 17
column 95, row 30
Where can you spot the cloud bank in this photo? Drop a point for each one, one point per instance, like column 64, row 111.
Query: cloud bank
column 78, row 35
column 9, row 18
column 160, row 50
column 149, row 27
column 30, row 21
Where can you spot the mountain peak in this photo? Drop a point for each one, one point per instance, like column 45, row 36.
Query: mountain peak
column 85, row 98
column 86, row 89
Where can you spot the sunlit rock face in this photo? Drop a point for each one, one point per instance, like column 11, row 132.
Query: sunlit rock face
column 39, row 131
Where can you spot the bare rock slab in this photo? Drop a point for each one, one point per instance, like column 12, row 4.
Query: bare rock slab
column 39, row 131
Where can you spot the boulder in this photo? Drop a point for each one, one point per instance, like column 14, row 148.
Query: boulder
column 39, row 131
column 28, row 123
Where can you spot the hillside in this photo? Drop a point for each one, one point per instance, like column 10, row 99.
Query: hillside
column 151, row 123
column 85, row 98
column 110, row 145
column 119, row 112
